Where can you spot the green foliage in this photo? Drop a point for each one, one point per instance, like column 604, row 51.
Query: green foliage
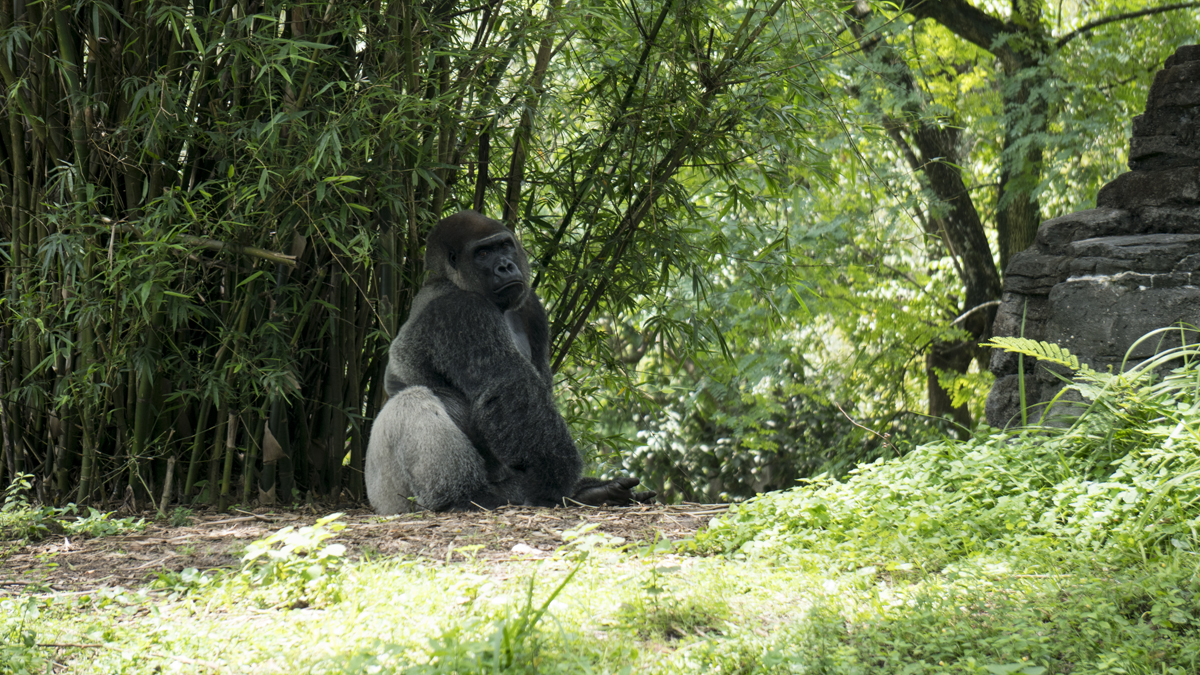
column 1074, row 617
column 179, row 583
column 647, row 609
column 784, row 360
column 1047, row 550
column 714, row 428
column 662, row 609
column 1117, row 483
column 181, row 517
column 19, row 520
column 213, row 225
column 829, row 284
column 98, row 524
column 1039, row 350
column 295, row 567
column 19, row 651
column 511, row 643
column 584, row 540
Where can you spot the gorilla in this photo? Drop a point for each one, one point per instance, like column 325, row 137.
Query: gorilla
column 471, row 421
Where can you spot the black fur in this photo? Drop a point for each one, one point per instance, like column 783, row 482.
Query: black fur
column 471, row 422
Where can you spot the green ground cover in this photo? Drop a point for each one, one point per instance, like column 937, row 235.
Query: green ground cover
column 1067, row 549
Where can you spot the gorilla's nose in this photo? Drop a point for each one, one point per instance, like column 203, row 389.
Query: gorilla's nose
column 507, row 272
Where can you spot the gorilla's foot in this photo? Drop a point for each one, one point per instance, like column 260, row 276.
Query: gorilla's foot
column 616, row 492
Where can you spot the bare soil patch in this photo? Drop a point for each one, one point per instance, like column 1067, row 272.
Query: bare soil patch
column 64, row 563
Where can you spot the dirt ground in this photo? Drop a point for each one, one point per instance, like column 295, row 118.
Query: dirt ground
column 65, row 563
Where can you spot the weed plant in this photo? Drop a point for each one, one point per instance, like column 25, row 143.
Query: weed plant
column 294, row 567
column 18, row 643
column 21, row 521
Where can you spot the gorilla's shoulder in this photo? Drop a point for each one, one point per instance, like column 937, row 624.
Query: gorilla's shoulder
column 443, row 296
column 443, row 309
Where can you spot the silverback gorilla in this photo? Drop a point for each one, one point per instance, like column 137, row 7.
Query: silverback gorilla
column 471, row 422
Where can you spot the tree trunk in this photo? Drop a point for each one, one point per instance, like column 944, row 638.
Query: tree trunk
column 1019, row 213
column 1020, row 45
column 937, row 159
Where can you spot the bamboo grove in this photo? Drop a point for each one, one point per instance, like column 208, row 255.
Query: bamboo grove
column 212, row 211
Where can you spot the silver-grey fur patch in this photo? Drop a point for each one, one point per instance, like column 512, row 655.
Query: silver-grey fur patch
column 418, row 458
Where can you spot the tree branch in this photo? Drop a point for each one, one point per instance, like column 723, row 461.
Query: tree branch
column 618, row 118
column 961, row 229
column 968, row 22
column 892, row 126
column 1089, row 27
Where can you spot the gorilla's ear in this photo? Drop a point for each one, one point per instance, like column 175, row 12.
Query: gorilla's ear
column 452, row 258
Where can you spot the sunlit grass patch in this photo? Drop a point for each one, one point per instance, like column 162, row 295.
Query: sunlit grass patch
column 642, row 611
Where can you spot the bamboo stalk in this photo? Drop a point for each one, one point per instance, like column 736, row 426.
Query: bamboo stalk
column 215, row 464
column 273, row 451
column 524, row 130
column 218, row 246
column 610, row 135
column 6, row 418
column 231, row 427
column 69, row 448
column 66, row 46
column 87, row 470
column 214, row 245
column 26, row 107
column 354, row 375
column 141, row 426
column 249, row 465
column 333, row 423
column 222, row 357
column 143, row 415
column 167, row 483
column 193, row 471
column 20, row 230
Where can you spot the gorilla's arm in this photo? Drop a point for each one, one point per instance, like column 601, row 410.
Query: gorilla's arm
column 464, row 340
column 537, row 327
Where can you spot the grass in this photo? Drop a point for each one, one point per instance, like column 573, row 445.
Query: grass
column 638, row 613
column 618, row 611
column 1070, row 549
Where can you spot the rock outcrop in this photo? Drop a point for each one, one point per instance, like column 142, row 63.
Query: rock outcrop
column 1095, row 281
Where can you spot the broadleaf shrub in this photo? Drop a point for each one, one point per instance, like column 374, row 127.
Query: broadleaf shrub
column 295, row 567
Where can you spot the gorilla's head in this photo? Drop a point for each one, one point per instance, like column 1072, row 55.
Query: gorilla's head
column 479, row 255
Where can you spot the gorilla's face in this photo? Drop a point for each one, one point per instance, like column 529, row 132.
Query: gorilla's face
column 497, row 266
column 480, row 256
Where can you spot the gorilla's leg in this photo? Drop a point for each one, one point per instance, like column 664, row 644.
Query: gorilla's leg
column 417, row 451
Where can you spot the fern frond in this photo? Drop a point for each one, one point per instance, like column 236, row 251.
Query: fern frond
column 1044, row 351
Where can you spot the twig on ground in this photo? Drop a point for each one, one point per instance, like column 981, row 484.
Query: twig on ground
column 187, row 661
column 67, row 645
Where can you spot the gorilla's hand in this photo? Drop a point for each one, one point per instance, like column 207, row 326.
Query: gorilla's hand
column 617, row 492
